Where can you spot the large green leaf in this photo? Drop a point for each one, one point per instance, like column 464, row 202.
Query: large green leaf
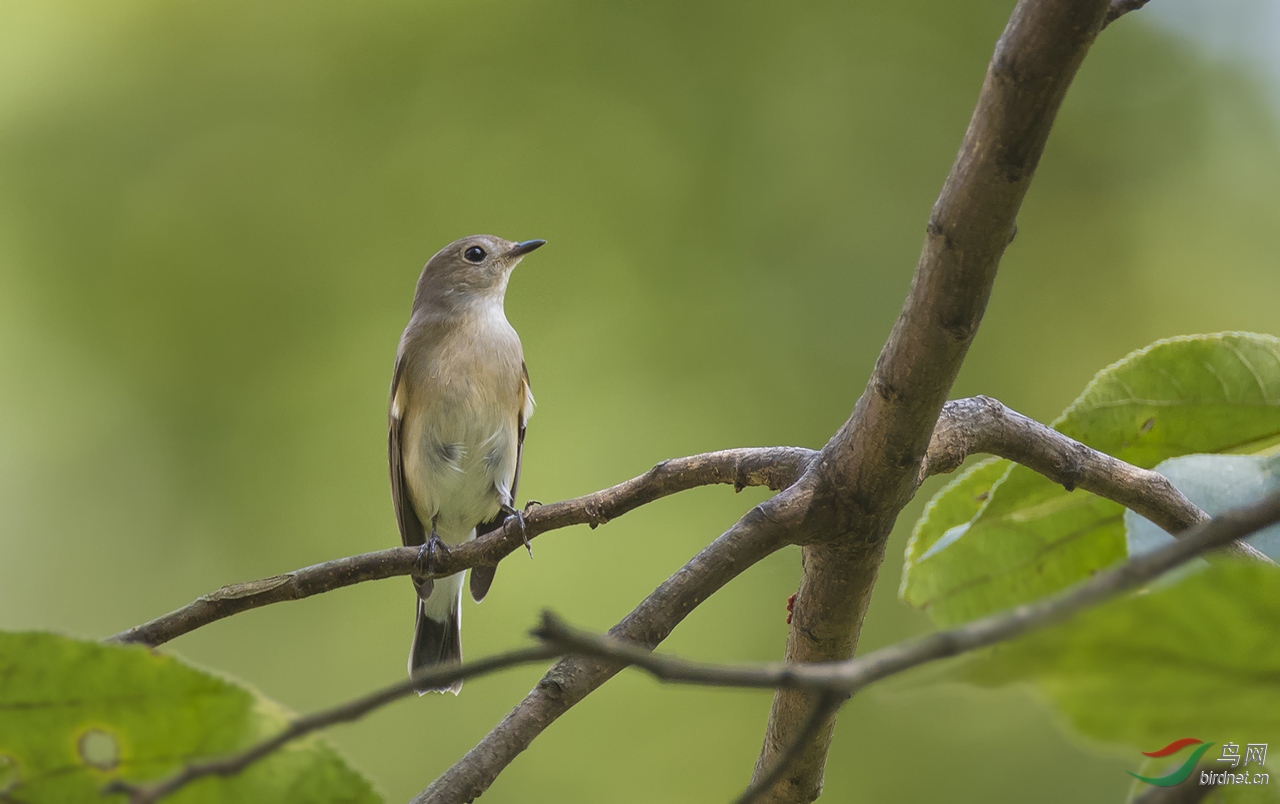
column 1207, row 393
column 75, row 715
column 1198, row 658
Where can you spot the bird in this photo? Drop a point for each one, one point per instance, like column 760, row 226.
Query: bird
column 460, row 400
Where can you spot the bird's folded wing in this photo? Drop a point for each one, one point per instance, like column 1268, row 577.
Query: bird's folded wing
column 411, row 530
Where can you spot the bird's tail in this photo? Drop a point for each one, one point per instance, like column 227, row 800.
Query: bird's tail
column 437, row 639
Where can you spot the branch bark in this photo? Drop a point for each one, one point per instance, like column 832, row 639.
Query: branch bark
column 978, row 425
column 847, row 677
column 966, row 427
column 851, row 675
column 870, row 468
column 835, row 682
column 982, row 425
column 753, row 537
column 774, row 467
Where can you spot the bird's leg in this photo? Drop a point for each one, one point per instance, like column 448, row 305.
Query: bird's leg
column 429, row 555
column 512, row 511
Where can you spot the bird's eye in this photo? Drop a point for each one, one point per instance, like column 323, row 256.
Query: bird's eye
column 474, row 254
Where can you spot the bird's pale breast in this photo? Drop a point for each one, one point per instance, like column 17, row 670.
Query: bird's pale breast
column 460, row 424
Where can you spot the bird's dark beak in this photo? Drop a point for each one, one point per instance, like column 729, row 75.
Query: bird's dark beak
column 524, row 247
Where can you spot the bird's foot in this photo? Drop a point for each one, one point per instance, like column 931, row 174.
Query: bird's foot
column 519, row 517
column 429, row 556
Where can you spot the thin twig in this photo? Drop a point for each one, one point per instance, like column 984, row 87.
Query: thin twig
column 141, row 793
column 773, row 467
column 825, row 708
column 851, row 675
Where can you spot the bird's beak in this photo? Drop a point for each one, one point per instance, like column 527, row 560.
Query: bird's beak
column 524, row 247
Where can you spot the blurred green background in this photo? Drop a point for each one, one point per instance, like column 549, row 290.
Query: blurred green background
column 212, row 217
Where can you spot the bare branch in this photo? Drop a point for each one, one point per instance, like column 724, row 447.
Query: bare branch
column 1119, row 8
column 753, row 537
column 826, row 707
column 852, row 675
column 967, row 427
column 345, row 713
column 836, row 681
column 869, row 469
column 774, row 467
column 983, row 425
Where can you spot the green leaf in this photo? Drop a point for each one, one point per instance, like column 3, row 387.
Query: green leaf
column 1198, row 658
column 75, row 715
column 958, row 502
column 1216, row 483
column 1205, row 393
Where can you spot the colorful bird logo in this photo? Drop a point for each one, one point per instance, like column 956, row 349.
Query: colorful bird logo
column 1180, row 775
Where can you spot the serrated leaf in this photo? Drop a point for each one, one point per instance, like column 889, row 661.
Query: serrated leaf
column 1198, row 658
column 75, row 715
column 1207, row 393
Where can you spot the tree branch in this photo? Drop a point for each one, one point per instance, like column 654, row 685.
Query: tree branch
column 345, row 713
column 851, row 675
column 983, row 425
column 869, row 470
column 753, row 537
column 774, row 467
column 824, row 709
column 966, row 427
column 835, row 681
column 847, row 677
column 1119, row 8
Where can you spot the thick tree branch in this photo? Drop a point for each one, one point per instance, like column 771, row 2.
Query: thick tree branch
column 774, row 467
column 966, row 427
column 849, row 676
column 969, row 426
column 869, row 470
column 142, row 793
column 834, row 681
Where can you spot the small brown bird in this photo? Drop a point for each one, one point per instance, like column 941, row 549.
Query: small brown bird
column 460, row 399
